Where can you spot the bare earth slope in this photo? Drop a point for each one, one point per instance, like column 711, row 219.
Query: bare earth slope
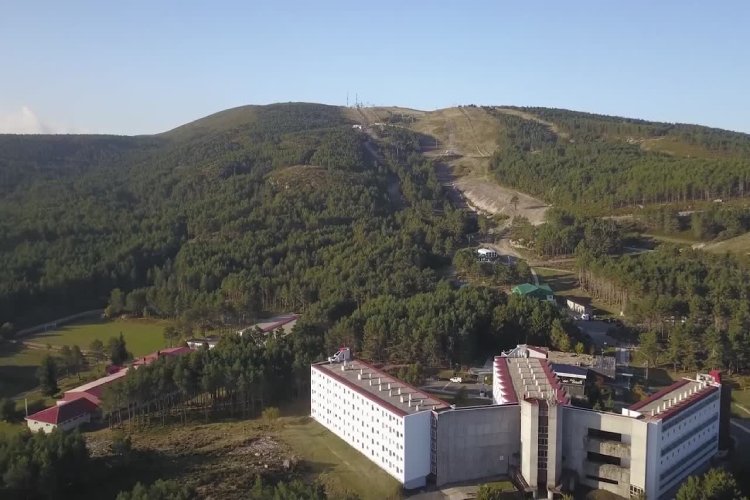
column 467, row 137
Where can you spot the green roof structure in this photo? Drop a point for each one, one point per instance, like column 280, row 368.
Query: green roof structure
column 541, row 292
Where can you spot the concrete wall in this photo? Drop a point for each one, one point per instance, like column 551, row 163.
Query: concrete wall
column 478, row 442
column 529, row 442
column 632, row 451
column 35, row 425
column 417, row 448
column 554, row 445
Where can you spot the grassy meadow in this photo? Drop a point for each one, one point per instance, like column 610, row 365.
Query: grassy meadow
column 19, row 362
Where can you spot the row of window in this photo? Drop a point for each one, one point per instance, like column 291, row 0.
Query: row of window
column 684, row 414
column 358, row 421
column 707, row 434
column 702, row 453
column 707, row 423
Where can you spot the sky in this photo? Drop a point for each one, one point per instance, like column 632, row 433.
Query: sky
column 140, row 67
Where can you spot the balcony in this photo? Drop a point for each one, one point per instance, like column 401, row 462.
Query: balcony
column 609, row 472
column 608, row 447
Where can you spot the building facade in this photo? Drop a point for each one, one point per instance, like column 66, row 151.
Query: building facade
column 531, row 433
column 383, row 418
column 65, row 416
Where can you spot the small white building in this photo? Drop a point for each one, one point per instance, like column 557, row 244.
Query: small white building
column 578, row 305
column 486, row 254
column 382, row 417
column 65, row 415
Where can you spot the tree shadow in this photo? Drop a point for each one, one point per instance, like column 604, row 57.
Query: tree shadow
column 17, row 379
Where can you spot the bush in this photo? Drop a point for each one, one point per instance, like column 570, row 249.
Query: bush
column 271, row 414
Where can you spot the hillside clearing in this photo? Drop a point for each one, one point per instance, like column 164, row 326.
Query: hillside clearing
column 221, row 459
column 468, row 131
column 739, row 245
column 488, row 196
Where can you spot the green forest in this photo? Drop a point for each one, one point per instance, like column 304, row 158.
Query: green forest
column 599, row 163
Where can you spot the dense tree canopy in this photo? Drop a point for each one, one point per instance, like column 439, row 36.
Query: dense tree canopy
column 42, row 465
column 599, row 162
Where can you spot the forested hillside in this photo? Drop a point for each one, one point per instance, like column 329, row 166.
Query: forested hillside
column 190, row 224
column 595, row 162
column 264, row 209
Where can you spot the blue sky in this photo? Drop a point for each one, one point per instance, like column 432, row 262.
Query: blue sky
column 147, row 66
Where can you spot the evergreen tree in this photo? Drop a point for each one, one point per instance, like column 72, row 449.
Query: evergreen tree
column 649, row 349
column 47, row 375
column 118, row 352
column 97, row 349
column 77, row 360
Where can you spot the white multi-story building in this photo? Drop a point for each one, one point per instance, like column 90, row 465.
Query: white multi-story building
column 651, row 447
column 683, row 435
column 531, row 433
column 382, row 417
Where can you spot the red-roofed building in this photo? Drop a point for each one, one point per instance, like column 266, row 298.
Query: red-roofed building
column 150, row 358
column 93, row 390
column 64, row 416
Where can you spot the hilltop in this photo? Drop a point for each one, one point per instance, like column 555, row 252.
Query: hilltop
column 92, row 213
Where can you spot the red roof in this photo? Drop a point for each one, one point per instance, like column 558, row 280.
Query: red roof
column 69, row 410
column 675, row 409
column 150, row 358
column 503, row 375
column 94, row 389
column 658, row 395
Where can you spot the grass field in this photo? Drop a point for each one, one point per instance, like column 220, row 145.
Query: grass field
column 18, row 366
column 339, row 466
column 7, row 429
column 739, row 245
column 18, row 363
column 221, row 458
column 142, row 336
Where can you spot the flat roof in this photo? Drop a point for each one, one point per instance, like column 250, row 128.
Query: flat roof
column 381, row 388
column 566, row 370
column 284, row 321
column 671, row 400
column 527, row 378
column 99, row 382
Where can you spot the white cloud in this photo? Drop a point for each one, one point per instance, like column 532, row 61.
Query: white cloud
column 25, row 121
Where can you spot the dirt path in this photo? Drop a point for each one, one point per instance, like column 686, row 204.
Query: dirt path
column 493, row 198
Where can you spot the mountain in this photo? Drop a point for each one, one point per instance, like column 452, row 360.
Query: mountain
column 287, row 206
column 253, row 209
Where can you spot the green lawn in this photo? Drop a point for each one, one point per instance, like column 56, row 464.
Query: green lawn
column 18, row 363
column 142, row 336
column 18, row 366
column 8, row 429
column 340, row 467
column 739, row 245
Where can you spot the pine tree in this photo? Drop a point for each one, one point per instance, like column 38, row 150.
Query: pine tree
column 649, row 349
column 47, row 374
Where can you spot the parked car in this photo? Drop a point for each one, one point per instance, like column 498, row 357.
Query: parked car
column 585, row 316
column 457, row 380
